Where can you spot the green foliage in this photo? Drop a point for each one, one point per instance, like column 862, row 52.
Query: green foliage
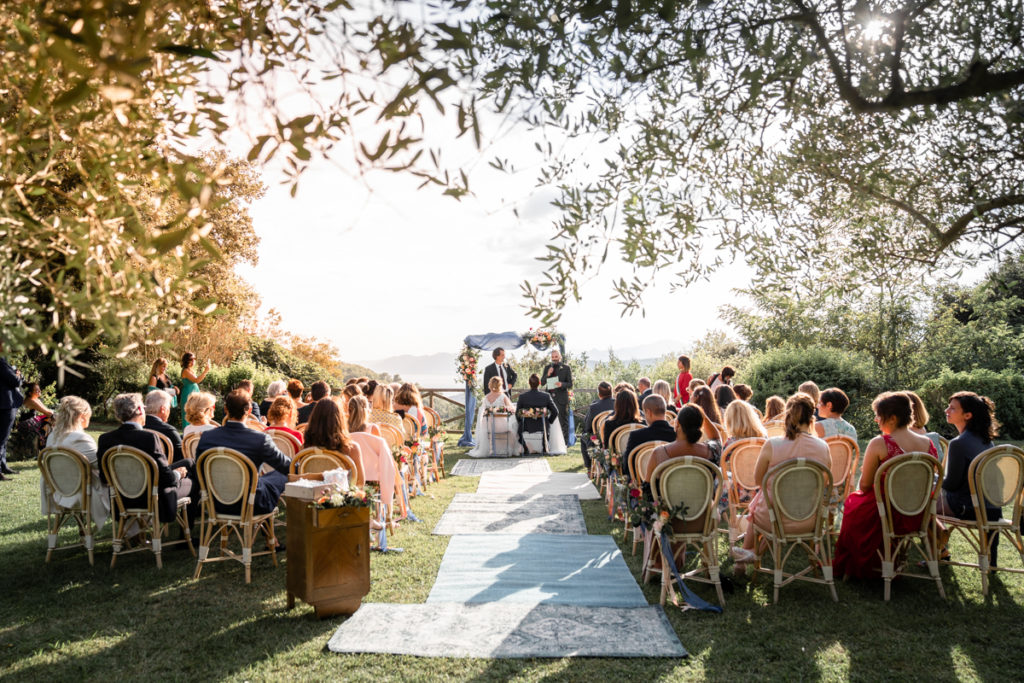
column 1005, row 388
column 781, row 371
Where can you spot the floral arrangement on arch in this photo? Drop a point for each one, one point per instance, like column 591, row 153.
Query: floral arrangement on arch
column 467, row 364
column 542, row 339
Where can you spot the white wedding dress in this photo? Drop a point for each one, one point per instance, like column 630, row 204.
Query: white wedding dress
column 506, row 431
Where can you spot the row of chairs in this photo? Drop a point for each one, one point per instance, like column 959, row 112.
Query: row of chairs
column 907, row 485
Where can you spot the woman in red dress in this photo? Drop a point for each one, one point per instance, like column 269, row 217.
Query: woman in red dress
column 860, row 537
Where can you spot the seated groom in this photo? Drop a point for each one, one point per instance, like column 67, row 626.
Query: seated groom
column 175, row 480
column 158, row 409
column 534, row 398
column 253, row 444
column 604, row 403
column 657, row 429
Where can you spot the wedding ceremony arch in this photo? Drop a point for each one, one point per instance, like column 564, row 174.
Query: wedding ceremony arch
column 540, row 340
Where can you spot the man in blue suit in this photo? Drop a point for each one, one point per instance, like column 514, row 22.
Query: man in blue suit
column 255, row 445
column 10, row 400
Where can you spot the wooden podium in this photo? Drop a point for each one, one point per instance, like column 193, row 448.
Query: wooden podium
column 328, row 556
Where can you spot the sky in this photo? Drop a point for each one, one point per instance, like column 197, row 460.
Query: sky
column 380, row 268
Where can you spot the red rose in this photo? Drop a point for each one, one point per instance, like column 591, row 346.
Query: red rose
column 635, row 493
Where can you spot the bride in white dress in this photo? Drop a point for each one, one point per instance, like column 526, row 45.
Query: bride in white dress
column 506, row 431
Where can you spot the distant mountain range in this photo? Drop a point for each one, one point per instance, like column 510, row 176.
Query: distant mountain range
column 438, row 369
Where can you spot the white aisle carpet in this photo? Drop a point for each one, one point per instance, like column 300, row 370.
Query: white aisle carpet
column 514, row 484
column 474, row 468
column 474, row 513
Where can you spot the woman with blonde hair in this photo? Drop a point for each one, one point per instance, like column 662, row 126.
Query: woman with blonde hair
column 408, row 402
column 919, row 425
column 383, row 410
column 798, row 442
column 663, row 389
column 70, row 421
column 199, row 410
column 741, row 422
column 158, row 380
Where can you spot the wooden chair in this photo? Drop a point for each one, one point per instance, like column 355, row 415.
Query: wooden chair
column 907, row 484
column 845, row 454
column 636, row 466
column 165, row 443
column 995, row 476
column 738, row 461
column 285, row 442
column 616, row 444
column 697, row 483
column 436, row 442
column 393, row 435
column 228, row 477
column 799, row 492
column 320, row 460
column 68, row 472
column 253, row 423
column 943, row 449
column 131, row 474
column 597, row 424
column 189, row 444
column 671, row 415
column 775, row 428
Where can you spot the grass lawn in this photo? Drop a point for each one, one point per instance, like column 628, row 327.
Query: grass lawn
column 69, row 621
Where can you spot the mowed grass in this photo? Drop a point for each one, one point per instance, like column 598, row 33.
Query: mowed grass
column 68, row 621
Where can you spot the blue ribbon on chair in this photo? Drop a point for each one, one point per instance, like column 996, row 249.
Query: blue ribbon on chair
column 409, row 515
column 691, row 598
column 382, row 535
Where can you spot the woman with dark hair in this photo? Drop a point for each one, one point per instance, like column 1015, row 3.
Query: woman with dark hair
column 774, row 407
column 724, row 376
column 860, row 536
column 832, row 403
column 705, row 400
column 190, row 381
column 681, row 392
column 724, row 395
column 798, row 442
column 975, row 419
column 328, row 429
column 689, row 430
column 627, row 411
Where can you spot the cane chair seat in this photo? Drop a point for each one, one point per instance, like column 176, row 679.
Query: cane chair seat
column 68, row 473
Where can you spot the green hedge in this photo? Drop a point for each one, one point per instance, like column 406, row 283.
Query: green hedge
column 781, row 371
column 1005, row 388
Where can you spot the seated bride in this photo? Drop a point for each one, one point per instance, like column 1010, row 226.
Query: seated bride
column 496, row 429
column 539, row 429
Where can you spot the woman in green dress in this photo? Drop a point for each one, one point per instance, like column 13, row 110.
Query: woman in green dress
column 189, row 380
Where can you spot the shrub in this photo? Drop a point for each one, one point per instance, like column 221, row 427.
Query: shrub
column 1005, row 388
column 781, row 371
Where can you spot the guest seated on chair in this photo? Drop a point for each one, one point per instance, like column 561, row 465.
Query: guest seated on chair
column 686, row 441
column 383, row 411
column 409, row 402
column 643, row 388
column 703, row 398
column 920, row 422
column 328, row 429
column 256, row 445
column 724, row 395
column 199, row 412
column 274, row 389
column 627, row 411
column 70, row 421
column 318, row 391
column 604, row 403
column 799, row 442
column 247, row 386
column 832, row 403
column 158, row 409
column 663, row 389
column 282, row 416
column 657, row 429
column 741, row 422
column 31, row 423
column 175, row 480
column 774, row 407
column 378, row 465
column 294, row 389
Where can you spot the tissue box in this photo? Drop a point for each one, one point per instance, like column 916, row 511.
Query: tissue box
column 306, row 487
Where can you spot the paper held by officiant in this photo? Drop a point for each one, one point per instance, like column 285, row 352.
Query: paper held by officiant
column 552, row 383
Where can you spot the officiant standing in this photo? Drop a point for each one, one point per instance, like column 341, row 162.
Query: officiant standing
column 499, row 368
column 557, row 382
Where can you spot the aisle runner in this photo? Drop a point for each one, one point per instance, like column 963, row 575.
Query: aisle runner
column 508, row 631
column 473, row 513
column 524, row 484
column 467, row 467
column 536, row 568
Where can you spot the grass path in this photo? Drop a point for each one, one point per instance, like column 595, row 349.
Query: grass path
column 67, row 620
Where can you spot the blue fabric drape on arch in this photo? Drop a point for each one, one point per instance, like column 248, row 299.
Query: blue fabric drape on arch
column 506, row 340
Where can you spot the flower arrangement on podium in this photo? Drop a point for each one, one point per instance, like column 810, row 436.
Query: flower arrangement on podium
column 467, row 363
column 356, row 496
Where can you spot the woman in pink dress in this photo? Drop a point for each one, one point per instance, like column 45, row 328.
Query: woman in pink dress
column 860, row 536
column 799, row 442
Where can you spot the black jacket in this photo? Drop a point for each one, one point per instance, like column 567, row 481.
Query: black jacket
column 534, row 398
column 659, row 430
column 492, row 371
column 132, row 434
column 157, row 425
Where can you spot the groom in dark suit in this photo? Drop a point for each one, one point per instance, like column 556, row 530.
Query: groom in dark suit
column 535, row 399
column 500, row 369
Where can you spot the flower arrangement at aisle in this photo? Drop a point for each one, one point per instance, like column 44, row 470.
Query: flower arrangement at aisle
column 355, row 496
column 467, row 363
column 602, row 455
column 436, row 433
column 401, row 454
column 532, row 413
column 654, row 516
